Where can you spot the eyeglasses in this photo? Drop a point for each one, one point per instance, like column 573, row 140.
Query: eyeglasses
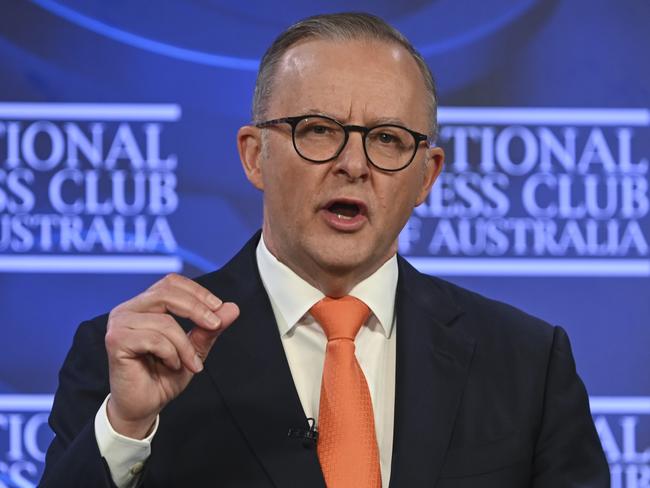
column 320, row 139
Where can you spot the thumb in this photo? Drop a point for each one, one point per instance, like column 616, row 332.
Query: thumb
column 203, row 339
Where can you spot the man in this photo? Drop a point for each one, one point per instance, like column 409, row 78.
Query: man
column 212, row 382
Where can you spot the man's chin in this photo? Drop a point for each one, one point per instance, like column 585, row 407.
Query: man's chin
column 343, row 262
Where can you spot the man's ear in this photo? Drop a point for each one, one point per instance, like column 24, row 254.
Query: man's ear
column 432, row 168
column 249, row 145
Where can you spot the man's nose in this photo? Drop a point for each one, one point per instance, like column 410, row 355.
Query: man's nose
column 352, row 162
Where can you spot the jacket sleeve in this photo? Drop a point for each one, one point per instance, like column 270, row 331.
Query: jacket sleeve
column 73, row 458
column 568, row 452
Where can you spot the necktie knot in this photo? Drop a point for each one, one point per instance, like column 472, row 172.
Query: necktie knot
column 341, row 318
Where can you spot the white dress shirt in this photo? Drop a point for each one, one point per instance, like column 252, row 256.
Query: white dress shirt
column 304, row 344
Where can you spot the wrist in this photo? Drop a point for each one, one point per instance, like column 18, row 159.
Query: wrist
column 137, row 428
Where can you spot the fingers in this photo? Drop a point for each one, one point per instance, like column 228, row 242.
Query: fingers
column 131, row 335
column 164, row 324
column 203, row 340
column 144, row 326
column 134, row 343
column 227, row 314
column 180, row 296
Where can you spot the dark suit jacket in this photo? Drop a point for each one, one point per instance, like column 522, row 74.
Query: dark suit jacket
column 486, row 396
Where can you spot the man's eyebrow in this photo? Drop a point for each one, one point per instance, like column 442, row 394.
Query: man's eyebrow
column 375, row 121
column 316, row 111
column 389, row 120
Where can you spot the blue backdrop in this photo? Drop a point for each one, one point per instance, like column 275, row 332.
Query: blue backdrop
column 118, row 164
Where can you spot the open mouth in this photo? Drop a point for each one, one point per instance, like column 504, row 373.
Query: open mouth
column 345, row 209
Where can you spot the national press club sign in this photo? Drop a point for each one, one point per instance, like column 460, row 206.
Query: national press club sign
column 87, row 188
column 537, row 192
column 24, row 438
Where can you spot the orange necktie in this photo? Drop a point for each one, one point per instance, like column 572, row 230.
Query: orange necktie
column 347, row 444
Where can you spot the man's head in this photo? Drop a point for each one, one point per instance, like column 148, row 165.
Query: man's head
column 336, row 222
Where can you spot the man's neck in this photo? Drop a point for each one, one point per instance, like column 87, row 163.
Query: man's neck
column 334, row 282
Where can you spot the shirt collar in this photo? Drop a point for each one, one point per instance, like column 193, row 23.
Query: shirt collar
column 292, row 297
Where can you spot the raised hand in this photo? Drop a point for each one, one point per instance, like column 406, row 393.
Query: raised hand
column 150, row 357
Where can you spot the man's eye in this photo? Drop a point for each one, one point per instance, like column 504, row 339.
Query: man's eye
column 315, row 130
column 319, row 129
column 386, row 138
column 389, row 139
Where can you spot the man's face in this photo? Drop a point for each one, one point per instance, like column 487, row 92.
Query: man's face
column 341, row 218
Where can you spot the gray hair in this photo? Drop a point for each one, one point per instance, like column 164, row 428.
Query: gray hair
column 338, row 27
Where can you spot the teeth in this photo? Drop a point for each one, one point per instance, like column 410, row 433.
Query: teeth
column 343, row 217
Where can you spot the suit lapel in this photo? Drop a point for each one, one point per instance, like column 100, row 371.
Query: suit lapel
column 432, row 364
column 250, row 370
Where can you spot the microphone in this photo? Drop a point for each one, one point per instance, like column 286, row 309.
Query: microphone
column 309, row 436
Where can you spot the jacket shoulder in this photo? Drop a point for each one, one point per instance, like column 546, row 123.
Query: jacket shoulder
column 488, row 320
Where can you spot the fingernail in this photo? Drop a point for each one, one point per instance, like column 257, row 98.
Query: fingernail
column 198, row 364
column 213, row 302
column 215, row 322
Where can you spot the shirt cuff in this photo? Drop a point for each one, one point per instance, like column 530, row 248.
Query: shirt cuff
column 125, row 456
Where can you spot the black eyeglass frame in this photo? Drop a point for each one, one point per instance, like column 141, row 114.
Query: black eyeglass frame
column 294, row 121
